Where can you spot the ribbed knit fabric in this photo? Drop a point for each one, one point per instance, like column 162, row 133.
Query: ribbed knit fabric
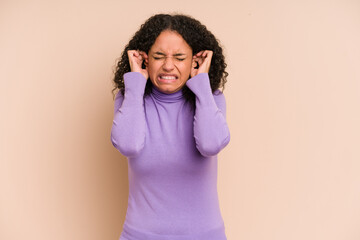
column 172, row 160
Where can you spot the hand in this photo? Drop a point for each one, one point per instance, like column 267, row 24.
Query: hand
column 203, row 60
column 136, row 59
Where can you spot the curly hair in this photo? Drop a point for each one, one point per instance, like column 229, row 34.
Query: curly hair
column 193, row 32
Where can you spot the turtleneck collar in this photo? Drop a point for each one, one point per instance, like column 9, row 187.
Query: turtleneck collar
column 167, row 97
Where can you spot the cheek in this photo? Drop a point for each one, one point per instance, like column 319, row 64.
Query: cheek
column 186, row 68
column 187, row 71
column 153, row 68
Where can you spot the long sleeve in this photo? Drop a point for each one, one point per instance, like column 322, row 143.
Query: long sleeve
column 211, row 131
column 128, row 129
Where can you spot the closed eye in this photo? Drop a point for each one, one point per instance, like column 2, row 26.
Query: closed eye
column 163, row 57
column 158, row 58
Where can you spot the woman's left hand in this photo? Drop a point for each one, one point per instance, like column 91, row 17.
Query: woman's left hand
column 203, row 60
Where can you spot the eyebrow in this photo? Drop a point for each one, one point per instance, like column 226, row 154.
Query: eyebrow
column 175, row 55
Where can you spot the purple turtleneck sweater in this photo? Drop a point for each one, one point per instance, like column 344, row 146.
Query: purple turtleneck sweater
column 172, row 160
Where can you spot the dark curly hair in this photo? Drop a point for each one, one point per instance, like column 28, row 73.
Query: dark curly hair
column 193, row 32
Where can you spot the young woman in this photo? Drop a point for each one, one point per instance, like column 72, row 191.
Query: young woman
column 169, row 121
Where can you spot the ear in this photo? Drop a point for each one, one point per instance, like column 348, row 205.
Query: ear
column 146, row 61
column 194, row 63
column 145, row 58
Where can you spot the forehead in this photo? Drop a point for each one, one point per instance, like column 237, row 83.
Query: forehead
column 170, row 42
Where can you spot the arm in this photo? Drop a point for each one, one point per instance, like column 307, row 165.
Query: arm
column 128, row 129
column 210, row 128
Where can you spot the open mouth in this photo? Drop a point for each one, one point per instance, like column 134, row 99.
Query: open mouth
column 167, row 78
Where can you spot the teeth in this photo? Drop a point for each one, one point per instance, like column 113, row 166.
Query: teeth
column 168, row 77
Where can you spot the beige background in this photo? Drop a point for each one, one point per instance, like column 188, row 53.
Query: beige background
column 291, row 170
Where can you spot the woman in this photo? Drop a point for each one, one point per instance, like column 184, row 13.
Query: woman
column 169, row 121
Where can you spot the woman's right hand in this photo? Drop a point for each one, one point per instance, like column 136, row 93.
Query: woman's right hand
column 136, row 59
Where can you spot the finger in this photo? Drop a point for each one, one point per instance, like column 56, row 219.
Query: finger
column 199, row 53
column 144, row 55
column 132, row 54
column 135, row 60
column 199, row 58
column 208, row 56
column 206, row 53
column 209, row 53
column 138, row 57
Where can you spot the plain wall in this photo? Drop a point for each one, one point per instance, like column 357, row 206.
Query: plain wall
column 291, row 170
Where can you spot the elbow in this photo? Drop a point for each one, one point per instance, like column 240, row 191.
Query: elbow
column 207, row 151
column 211, row 148
column 126, row 147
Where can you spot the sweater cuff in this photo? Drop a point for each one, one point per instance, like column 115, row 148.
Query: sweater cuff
column 200, row 86
column 134, row 83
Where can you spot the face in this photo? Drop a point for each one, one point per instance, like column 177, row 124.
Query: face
column 169, row 62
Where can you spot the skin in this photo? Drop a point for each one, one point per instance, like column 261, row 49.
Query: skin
column 170, row 62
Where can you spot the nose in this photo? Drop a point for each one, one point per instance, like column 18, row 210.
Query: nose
column 168, row 64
